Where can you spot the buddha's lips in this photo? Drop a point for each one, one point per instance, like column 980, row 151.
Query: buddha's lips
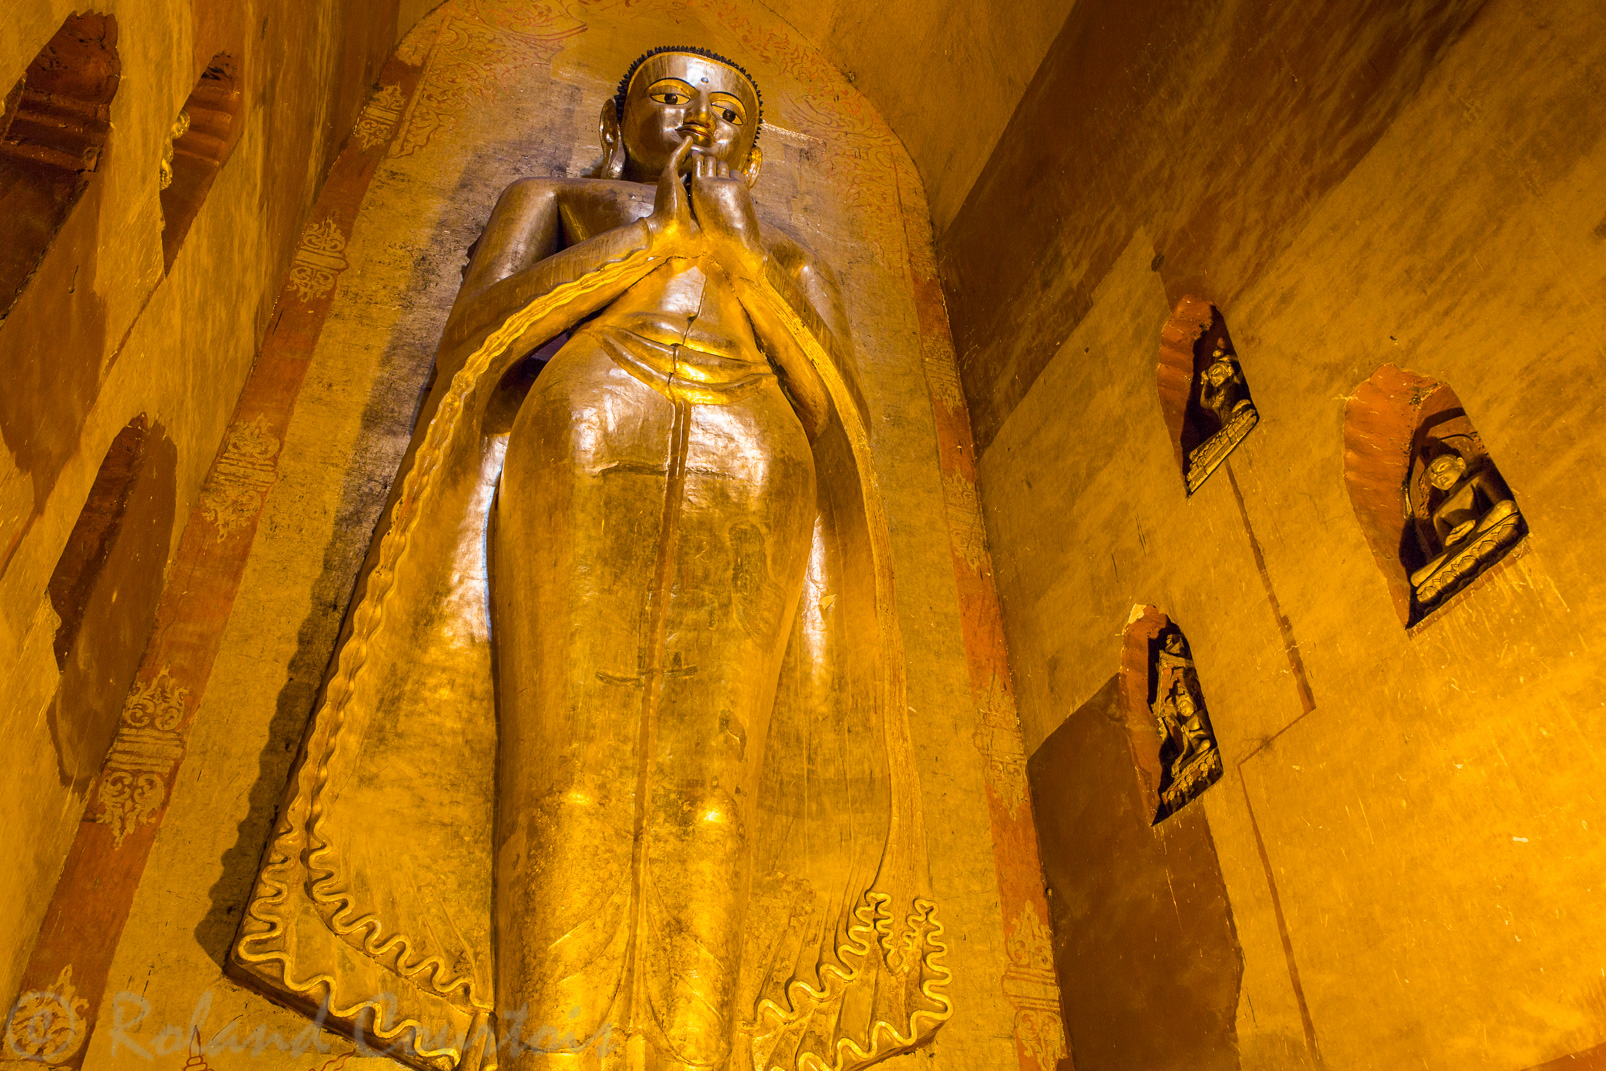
column 701, row 134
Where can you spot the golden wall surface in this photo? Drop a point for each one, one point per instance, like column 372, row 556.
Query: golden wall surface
column 102, row 334
column 1409, row 826
column 479, row 93
column 945, row 74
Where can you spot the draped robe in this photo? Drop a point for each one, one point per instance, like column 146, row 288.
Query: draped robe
column 373, row 908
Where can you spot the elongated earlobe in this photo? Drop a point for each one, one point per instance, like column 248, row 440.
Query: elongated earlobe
column 613, row 143
column 755, row 160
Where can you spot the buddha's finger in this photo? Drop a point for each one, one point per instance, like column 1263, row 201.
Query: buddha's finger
column 677, row 159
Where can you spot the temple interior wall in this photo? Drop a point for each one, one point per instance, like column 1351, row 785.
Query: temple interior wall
column 477, row 94
column 1398, row 865
column 102, row 335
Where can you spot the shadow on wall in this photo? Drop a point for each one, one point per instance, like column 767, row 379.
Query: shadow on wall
column 105, row 590
column 52, row 134
column 199, row 143
column 52, row 324
column 1144, row 942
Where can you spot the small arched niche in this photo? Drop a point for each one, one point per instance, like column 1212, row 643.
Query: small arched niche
column 1173, row 743
column 1428, row 496
column 55, row 128
column 198, row 144
column 105, row 590
column 1203, row 393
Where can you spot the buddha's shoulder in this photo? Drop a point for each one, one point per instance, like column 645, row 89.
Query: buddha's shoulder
column 566, row 189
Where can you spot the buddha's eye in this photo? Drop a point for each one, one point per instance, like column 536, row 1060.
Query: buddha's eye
column 728, row 108
column 670, row 92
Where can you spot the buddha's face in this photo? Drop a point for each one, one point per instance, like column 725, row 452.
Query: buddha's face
column 1219, row 372
column 675, row 95
column 1446, row 470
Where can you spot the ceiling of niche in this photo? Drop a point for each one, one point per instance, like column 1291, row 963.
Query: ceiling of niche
column 945, row 74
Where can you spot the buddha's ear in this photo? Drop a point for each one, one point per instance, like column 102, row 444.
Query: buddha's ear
column 755, row 160
column 613, row 142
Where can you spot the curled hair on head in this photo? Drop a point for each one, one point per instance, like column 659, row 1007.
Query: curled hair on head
column 691, row 50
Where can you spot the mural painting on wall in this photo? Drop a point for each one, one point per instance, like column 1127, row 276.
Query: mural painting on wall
column 1189, row 760
column 1203, row 391
column 1429, row 497
column 666, row 518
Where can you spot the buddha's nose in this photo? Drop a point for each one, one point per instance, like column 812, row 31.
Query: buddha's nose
column 702, row 111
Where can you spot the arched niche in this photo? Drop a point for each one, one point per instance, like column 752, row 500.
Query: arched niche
column 105, row 589
column 1173, row 743
column 55, row 130
column 1430, row 500
column 199, row 143
column 1203, row 393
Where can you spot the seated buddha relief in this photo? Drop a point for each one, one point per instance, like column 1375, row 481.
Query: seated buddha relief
column 1202, row 389
column 1433, row 506
column 1463, row 516
column 1189, row 759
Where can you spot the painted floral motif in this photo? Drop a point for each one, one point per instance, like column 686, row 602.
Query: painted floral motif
column 471, row 60
column 1042, row 1035
column 319, row 260
column 1033, row 989
column 1031, row 944
column 379, row 117
column 147, row 748
column 998, row 738
column 241, row 477
column 965, row 527
column 47, row 1026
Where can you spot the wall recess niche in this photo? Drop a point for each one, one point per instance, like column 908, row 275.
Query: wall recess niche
column 199, row 143
column 53, row 134
column 1429, row 498
column 1203, row 393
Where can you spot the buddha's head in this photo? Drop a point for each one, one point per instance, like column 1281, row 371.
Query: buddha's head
column 1446, row 470
column 671, row 94
column 1220, row 372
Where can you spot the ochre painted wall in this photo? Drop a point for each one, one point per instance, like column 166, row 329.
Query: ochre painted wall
column 1409, row 824
column 945, row 74
column 101, row 335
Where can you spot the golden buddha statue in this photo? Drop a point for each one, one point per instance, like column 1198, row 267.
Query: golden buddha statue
column 690, row 738
column 1466, row 517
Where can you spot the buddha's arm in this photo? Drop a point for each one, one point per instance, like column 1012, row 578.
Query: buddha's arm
column 791, row 298
column 797, row 312
column 519, row 261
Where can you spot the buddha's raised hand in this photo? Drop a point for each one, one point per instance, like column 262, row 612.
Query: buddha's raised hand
column 674, row 231
column 723, row 207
